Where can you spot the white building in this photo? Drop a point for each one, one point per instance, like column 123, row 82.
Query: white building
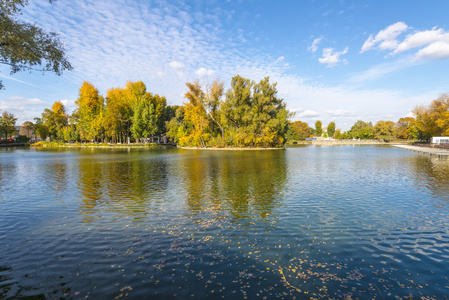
column 440, row 140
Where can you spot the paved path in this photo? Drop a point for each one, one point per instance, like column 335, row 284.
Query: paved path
column 440, row 153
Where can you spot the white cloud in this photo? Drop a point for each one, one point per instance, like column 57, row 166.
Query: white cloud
column 435, row 51
column 305, row 113
column 386, row 37
column 21, row 101
column 281, row 58
column 176, row 65
column 203, row 72
column 435, row 42
column 25, row 109
column 422, row 38
column 314, row 47
column 69, row 104
column 332, row 58
column 340, row 112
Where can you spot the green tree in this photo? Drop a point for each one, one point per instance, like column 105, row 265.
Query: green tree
column 55, row 121
column 331, row 129
column 236, row 107
column 40, row 128
column 361, row 130
column 144, row 120
column 318, row 128
column 160, row 110
column 269, row 115
column 177, row 129
column 7, row 122
column 26, row 46
column 213, row 102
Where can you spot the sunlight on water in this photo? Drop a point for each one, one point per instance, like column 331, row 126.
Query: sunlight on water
column 318, row 222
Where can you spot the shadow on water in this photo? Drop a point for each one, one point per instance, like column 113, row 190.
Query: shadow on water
column 125, row 185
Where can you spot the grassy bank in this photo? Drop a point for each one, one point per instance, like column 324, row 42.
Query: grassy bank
column 233, row 148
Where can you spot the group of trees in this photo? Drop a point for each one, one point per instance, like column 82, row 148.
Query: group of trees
column 249, row 114
column 432, row 120
column 405, row 128
column 125, row 114
column 299, row 130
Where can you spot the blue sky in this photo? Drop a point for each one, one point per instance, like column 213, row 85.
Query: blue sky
column 333, row 60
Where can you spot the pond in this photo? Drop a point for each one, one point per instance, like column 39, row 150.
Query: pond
column 307, row 222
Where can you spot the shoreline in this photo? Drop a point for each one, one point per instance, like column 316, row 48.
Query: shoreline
column 344, row 142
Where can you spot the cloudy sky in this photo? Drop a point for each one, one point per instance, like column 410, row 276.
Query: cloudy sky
column 333, row 60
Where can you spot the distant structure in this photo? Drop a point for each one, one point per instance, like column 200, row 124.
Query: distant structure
column 440, row 140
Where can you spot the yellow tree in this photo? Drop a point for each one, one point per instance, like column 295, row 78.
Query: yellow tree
column 89, row 106
column 440, row 112
column 118, row 114
column 195, row 113
column 384, row 130
column 434, row 119
column 405, row 128
column 298, row 130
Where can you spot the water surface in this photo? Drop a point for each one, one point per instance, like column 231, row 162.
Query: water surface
column 315, row 222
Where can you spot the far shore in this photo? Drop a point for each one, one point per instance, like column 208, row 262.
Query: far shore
column 155, row 145
column 346, row 142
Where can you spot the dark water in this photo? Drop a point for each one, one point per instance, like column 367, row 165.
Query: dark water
column 307, row 222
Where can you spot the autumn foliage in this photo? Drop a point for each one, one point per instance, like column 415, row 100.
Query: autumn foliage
column 249, row 114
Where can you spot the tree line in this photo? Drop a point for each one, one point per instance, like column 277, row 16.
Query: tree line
column 404, row 128
column 247, row 114
column 126, row 114
column 428, row 121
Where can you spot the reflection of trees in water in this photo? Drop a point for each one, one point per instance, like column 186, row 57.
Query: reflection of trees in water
column 245, row 184
column 434, row 172
column 123, row 183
